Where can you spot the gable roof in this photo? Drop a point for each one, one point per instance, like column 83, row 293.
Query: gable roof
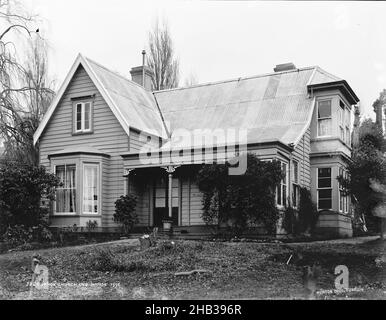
column 131, row 104
column 272, row 107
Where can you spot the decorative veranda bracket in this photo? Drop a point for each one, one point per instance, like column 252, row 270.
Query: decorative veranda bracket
column 170, row 169
column 126, row 172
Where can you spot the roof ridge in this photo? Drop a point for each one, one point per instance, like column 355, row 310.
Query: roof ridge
column 328, row 73
column 116, row 73
column 237, row 79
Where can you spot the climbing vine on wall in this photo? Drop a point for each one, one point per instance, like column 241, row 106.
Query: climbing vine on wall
column 240, row 199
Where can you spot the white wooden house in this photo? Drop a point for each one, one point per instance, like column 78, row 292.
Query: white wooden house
column 102, row 128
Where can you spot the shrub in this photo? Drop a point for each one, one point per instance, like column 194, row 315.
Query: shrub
column 308, row 212
column 240, row 199
column 91, row 225
column 290, row 221
column 125, row 212
column 17, row 235
column 305, row 218
column 22, row 187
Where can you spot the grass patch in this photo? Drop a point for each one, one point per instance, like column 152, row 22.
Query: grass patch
column 237, row 270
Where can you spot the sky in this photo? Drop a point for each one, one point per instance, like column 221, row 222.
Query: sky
column 219, row 40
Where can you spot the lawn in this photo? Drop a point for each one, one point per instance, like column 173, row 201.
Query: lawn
column 236, row 270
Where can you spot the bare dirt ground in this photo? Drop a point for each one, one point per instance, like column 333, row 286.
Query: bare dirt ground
column 235, row 270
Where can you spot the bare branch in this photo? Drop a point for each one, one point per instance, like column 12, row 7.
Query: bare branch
column 161, row 60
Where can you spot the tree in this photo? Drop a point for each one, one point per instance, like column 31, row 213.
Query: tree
column 379, row 105
column 25, row 91
column 161, row 60
column 368, row 172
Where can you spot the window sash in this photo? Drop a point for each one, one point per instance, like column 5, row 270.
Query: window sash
column 324, row 176
column 348, row 137
column 295, row 168
column 324, row 109
column 295, row 195
column 281, row 192
column 324, row 118
column 324, row 127
column 65, row 196
column 83, row 117
column 91, row 189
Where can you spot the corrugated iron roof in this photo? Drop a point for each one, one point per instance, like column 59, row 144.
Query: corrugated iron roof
column 136, row 104
column 271, row 107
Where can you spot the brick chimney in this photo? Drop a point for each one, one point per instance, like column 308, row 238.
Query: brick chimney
column 142, row 74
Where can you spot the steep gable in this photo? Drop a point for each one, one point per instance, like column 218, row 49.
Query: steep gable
column 108, row 135
column 131, row 104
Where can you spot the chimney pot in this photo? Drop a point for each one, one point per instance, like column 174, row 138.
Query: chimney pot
column 284, row 67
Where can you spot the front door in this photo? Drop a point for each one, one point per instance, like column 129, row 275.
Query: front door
column 161, row 197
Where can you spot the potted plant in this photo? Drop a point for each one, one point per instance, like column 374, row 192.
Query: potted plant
column 167, row 223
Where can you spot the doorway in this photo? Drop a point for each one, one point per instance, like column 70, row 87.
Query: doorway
column 161, row 199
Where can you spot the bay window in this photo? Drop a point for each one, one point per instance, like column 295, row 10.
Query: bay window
column 324, row 118
column 66, row 192
column 324, row 188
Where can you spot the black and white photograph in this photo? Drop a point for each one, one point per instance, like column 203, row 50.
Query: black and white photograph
column 175, row 152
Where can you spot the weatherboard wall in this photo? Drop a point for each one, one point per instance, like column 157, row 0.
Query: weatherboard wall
column 108, row 136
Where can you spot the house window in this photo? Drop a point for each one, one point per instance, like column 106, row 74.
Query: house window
column 281, row 193
column 90, row 188
column 324, row 188
column 343, row 196
column 295, row 184
column 347, row 123
column 82, row 117
column 324, row 118
column 341, row 192
column 65, row 201
column 341, row 121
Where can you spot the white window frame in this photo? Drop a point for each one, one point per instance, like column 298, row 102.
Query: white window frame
column 76, row 189
column 324, row 118
column 295, row 184
column 347, row 122
column 82, row 119
column 323, row 188
column 96, row 165
column 344, row 203
column 340, row 191
column 280, row 187
column 341, row 113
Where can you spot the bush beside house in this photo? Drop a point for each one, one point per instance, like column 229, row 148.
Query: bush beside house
column 240, row 201
column 23, row 214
